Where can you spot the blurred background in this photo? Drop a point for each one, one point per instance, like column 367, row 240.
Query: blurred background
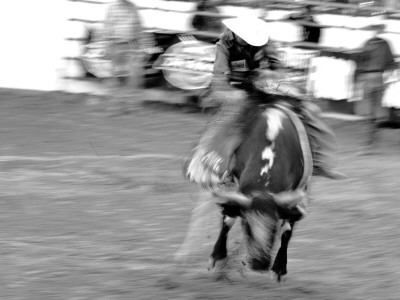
column 94, row 204
column 68, row 54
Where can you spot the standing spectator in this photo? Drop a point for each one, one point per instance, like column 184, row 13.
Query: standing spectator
column 311, row 29
column 208, row 23
column 123, row 31
column 375, row 57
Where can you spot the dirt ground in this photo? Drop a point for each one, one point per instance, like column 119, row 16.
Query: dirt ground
column 94, row 206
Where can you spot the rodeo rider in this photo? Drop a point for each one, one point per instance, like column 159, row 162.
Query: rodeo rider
column 247, row 38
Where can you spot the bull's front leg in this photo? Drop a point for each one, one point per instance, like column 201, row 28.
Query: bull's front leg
column 279, row 268
column 219, row 252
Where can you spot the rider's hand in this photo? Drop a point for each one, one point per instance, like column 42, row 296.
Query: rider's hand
column 281, row 74
column 218, row 97
column 267, row 74
column 228, row 95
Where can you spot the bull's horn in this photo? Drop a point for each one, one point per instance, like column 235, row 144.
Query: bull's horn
column 290, row 199
column 239, row 198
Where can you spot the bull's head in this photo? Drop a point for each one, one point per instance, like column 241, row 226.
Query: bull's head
column 260, row 219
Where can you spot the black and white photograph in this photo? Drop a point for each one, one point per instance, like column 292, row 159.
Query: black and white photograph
column 200, row 149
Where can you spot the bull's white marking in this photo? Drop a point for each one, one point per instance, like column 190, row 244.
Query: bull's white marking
column 274, row 118
column 264, row 170
column 274, row 121
column 267, row 154
column 286, row 226
column 228, row 221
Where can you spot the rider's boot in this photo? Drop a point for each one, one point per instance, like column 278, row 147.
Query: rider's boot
column 325, row 170
column 322, row 141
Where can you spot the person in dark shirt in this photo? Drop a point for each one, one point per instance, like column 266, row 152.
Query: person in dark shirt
column 208, row 23
column 246, row 42
column 311, row 29
column 375, row 57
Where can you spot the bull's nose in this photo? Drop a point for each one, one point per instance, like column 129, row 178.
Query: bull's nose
column 260, row 264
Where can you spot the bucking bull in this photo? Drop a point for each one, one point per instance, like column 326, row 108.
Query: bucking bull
column 271, row 169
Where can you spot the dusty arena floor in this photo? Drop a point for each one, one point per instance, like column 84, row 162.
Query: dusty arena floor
column 94, row 206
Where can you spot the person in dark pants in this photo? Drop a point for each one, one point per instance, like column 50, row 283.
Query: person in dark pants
column 375, row 57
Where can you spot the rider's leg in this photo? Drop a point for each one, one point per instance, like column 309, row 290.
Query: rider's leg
column 224, row 134
column 322, row 141
column 222, row 137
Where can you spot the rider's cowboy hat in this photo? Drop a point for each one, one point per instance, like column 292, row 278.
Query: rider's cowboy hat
column 252, row 30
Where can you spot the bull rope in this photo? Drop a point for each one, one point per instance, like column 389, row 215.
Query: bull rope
column 305, row 146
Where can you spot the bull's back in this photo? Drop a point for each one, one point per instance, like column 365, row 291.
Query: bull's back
column 270, row 158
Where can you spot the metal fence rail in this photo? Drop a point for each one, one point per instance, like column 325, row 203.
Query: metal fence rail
column 264, row 4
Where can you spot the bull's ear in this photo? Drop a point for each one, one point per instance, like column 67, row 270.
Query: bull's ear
column 230, row 208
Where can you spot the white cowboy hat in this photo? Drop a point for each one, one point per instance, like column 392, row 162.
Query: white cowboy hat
column 251, row 29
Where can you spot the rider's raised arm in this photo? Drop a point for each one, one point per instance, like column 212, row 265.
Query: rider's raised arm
column 222, row 64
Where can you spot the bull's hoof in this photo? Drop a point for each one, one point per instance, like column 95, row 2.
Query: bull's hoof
column 279, row 277
column 216, row 264
column 219, row 269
